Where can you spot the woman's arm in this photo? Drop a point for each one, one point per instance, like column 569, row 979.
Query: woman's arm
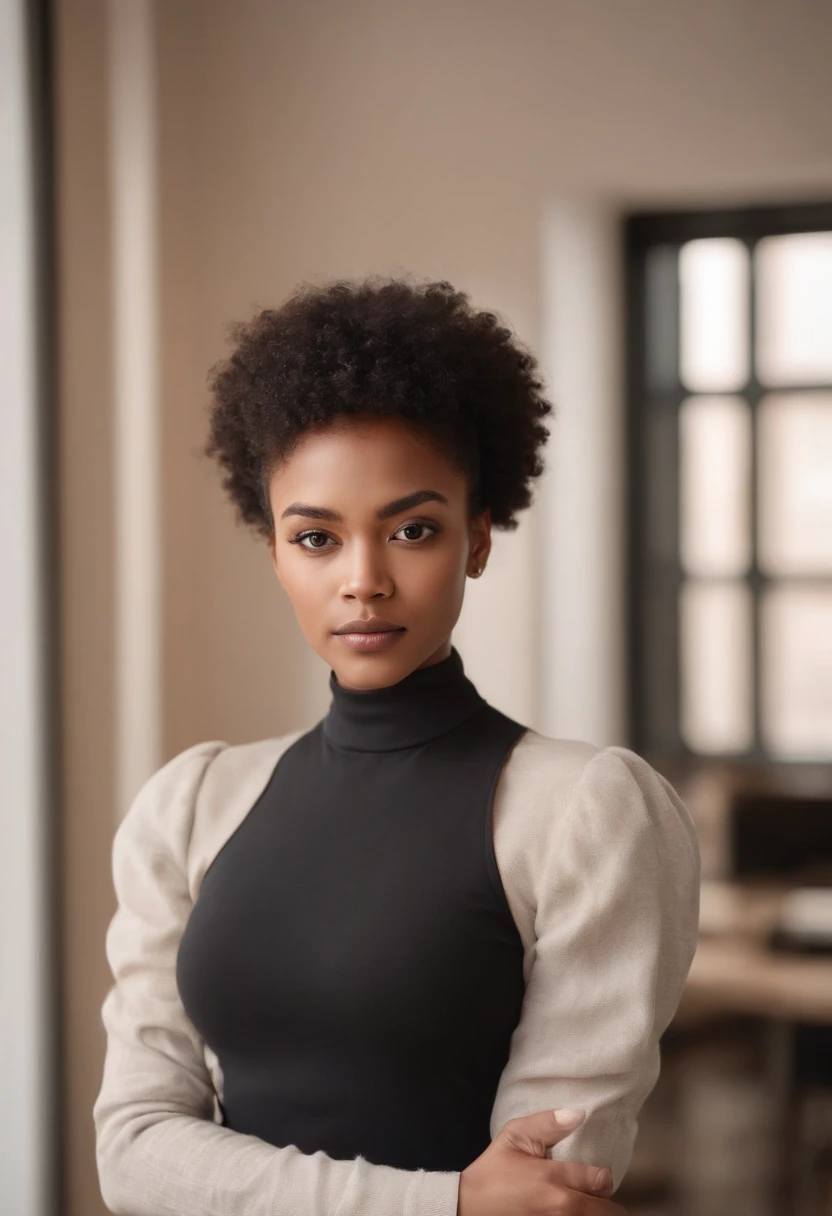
column 616, row 898
column 158, row 1150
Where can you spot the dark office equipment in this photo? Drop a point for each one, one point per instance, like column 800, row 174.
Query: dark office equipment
column 773, row 835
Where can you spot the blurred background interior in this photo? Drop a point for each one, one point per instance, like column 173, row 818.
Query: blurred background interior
column 643, row 189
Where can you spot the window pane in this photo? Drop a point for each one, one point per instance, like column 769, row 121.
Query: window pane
column 796, row 483
column 796, row 681
column 794, row 308
column 713, row 303
column 715, row 646
column 714, row 468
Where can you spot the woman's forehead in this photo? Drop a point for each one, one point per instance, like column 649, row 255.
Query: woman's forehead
column 377, row 462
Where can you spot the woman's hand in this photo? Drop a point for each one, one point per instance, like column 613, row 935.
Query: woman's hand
column 514, row 1177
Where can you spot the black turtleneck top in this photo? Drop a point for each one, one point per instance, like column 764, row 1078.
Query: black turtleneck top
column 351, row 957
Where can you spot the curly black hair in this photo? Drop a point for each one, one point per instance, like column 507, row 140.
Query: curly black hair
column 381, row 346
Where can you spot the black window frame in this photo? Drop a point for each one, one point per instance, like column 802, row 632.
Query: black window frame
column 653, row 654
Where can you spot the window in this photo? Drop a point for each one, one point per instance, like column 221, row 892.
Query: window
column 730, row 467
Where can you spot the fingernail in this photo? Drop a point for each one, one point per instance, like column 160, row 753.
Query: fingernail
column 603, row 1180
column 568, row 1114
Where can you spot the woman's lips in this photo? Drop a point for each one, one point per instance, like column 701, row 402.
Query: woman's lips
column 378, row 640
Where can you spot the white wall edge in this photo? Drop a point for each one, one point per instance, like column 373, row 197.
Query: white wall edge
column 138, row 524
column 27, row 1127
column 582, row 513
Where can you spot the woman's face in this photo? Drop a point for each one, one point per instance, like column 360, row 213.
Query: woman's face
column 371, row 520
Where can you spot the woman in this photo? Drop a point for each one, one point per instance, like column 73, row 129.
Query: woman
column 361, row 969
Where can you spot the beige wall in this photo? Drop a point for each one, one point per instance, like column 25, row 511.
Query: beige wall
column 86, row 575
column 304, row 140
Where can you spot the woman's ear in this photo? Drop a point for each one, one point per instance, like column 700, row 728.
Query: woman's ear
column 480, row 540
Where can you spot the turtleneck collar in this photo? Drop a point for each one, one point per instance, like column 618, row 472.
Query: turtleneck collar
column 428, row 702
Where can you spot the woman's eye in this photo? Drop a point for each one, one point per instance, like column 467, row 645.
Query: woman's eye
column 415, row 527
column 304, row 536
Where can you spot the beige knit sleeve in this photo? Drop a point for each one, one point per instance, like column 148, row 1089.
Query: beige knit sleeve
column 614, row 897
column 158, row 1150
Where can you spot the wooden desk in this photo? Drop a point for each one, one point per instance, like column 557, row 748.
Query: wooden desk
column 733, row 975
column 734, row 971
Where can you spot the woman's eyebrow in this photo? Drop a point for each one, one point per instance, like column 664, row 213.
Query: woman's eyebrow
column 392, row 508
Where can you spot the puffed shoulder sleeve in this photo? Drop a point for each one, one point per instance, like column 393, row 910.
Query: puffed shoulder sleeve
column 158, row 1150
column 616, row 916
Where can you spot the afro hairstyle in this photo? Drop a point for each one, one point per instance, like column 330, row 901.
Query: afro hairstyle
column 380, row 346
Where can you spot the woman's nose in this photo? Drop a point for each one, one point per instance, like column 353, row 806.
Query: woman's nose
column 366, row 573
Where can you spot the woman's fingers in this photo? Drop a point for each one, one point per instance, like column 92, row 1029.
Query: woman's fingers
column 591, row 1179
column 513, row 1177
column 535, row 1133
